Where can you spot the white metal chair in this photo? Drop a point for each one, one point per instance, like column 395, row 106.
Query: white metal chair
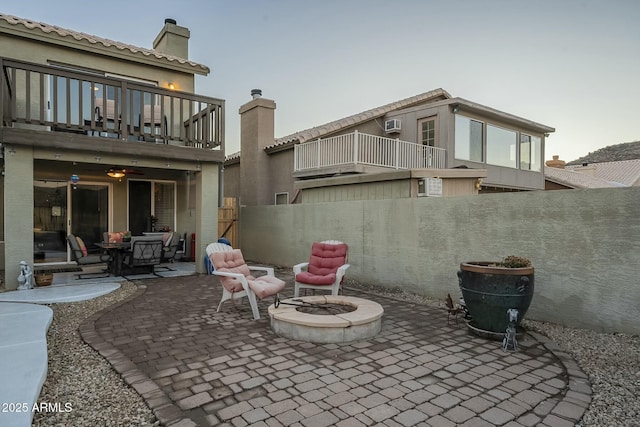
column 237, row 282
column 325, row 270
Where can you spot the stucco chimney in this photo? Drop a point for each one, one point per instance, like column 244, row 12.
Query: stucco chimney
column 256, row 133
column 173, row 40
column 556, row 163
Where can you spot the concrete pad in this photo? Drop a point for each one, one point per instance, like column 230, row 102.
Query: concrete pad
column 58, row 294
column 23, row 351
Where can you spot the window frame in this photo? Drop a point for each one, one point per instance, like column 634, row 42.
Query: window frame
column 421, row 122
column 282, row 193
column 514, row 145
column 483, row 139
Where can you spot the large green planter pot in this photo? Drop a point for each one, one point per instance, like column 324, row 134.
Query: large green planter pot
column 490, row 291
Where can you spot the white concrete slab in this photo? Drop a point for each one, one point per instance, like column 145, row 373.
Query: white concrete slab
column 58, row 294
column 23, row 352
column 23, row 332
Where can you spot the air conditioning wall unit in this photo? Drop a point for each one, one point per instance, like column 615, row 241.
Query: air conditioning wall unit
column 430, row 187
column 392, row 126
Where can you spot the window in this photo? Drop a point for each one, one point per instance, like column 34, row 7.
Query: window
column 427, row 131
column 151, row 206
column 530, row 152
column 501, row 147
column 468, row 139
column 282, row 198
column 164, row 205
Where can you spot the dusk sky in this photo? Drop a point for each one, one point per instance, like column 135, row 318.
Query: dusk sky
column 570, row 64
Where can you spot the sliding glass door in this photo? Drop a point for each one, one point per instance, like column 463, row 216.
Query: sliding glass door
column 61, row 208
column 49, row 221
column 90, row 212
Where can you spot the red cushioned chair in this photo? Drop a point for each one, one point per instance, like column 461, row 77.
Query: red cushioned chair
column 325, row 269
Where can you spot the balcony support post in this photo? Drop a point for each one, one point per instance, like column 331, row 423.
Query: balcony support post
column 397, row 140
column 355, row 147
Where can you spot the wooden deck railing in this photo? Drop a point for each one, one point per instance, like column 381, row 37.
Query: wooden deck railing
column 54, row 99
column 362, row 148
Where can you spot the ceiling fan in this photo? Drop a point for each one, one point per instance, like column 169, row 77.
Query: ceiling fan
column 118, row 172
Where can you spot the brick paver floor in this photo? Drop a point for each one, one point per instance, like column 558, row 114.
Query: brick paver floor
column 194, row 366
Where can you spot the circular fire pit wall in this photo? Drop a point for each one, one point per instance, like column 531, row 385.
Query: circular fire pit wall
column 359, row 319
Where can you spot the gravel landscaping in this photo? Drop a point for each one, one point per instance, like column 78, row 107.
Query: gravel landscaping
column 79, row 376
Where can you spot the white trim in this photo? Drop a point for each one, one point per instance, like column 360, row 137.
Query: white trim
column 275, row 198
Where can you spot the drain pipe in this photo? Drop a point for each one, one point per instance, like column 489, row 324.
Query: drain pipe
column 221, row 185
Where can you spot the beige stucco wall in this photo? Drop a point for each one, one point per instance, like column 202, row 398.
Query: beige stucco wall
column 231, row 180
column 18, row 221
column 41, row 53
column 584, row 244
column 206, row 188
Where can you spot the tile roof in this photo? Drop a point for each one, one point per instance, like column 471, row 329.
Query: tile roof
column 573, row 179
column 625, row 172
column 336, row 125
column 93, row 40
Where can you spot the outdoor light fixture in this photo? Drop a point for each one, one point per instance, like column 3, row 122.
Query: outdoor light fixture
column 456, row 108
column 172, row 86
column 115, row 173
column 74, row 180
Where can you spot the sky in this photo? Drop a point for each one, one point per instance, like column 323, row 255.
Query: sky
column 570, row 64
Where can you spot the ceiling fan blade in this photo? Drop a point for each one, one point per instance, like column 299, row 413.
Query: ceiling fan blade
column 132, row 172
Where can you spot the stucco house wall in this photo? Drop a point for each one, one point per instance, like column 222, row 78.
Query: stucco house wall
column 54, row 150
column 279, row 174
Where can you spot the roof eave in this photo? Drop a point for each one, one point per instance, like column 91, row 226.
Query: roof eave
column 465, row 104
column 113, row 51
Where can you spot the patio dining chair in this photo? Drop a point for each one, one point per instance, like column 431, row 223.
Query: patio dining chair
column 84, row 257
column 169, row 250
column 325, row 270
column 236, row 279
column 145, row 252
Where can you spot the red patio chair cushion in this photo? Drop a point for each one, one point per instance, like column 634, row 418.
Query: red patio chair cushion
column 324, row 262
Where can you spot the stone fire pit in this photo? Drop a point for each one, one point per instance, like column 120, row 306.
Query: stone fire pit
column 335, row 324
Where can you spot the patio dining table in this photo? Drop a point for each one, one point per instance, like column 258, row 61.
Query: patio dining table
column 117, row 251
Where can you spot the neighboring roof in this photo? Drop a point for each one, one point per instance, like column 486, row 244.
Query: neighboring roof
column 336, row 125
column 232, row 156
column 89, row 41
column 574, row 179
column 625, row 172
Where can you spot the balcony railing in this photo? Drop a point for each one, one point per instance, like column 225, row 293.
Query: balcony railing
column 361, row 148
column 55, row 99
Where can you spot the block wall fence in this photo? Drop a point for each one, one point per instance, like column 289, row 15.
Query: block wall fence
column 584, row 245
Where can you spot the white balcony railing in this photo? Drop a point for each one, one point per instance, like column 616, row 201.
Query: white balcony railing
column 362, row 148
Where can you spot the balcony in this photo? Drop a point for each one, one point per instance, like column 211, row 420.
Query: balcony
column 360, row 152
column 100, row 109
